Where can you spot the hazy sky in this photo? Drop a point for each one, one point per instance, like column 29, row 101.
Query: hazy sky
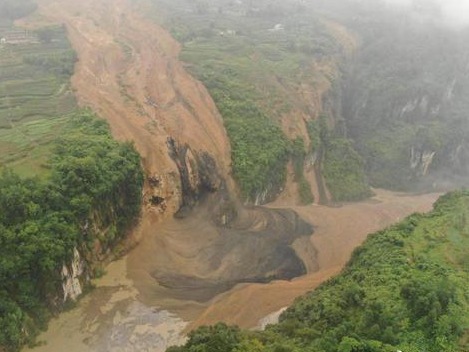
column 455, row 12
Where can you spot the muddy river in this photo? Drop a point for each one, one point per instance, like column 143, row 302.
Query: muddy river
column 129, row 310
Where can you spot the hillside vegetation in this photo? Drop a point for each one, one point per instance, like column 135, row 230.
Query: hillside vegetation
column 257, row 60
column 88, row 202
column 66, row 186
column 405, row 98
column 404, row 289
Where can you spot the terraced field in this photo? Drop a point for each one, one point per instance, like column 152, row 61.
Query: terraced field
column 34, row 96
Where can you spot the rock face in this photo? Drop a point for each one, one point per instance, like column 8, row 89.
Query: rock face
column 420, row 161
column 198, row 172
column 71, row 276
column 405, row 102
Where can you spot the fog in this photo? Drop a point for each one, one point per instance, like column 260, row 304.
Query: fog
column 452, row 12
column 456, row 11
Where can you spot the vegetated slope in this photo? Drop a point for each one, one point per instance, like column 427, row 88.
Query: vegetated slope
column 56, row 229
column 397, row 90
column 270, row 68
column 405, row 98
column 35, row 68
column 404, row 289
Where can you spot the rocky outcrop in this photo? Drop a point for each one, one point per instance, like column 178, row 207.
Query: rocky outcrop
column 421, row 160
column 71, row 277
column 198, row 172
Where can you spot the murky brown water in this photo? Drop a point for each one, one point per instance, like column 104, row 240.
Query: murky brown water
column 128, row 311
column 111, row 318
column 193, row 259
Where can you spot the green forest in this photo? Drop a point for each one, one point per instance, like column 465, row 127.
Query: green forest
column 404, row 289
column 93, row 195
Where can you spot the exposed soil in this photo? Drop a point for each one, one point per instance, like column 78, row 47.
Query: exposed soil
column 129, row 73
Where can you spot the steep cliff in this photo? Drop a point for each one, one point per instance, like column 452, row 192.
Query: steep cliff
column 405, row 98
column 57, row 231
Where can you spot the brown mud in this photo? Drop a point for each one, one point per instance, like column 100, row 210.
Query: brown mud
column 129, row 311
column 193, row 259
column 337, row 232
column 199, row 268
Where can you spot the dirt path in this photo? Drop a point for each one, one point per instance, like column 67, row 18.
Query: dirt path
column 128, row 72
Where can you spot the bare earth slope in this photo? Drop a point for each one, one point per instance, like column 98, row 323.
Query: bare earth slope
column 129, row 73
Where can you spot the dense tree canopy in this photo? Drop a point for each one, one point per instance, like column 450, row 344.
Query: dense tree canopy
column 94, row 180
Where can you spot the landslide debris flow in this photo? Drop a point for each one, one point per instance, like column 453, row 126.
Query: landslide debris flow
column 195, row 259
column 129, row 73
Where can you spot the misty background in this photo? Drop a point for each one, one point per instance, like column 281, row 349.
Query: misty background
column 452, row 12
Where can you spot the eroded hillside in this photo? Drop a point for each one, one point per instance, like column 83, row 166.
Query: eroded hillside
column 274, row 71
column 128, row 72
column 275, row 124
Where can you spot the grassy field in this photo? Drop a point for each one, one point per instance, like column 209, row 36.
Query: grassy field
column 34, row 96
